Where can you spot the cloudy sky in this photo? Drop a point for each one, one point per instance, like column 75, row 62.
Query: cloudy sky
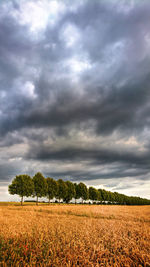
column 75, row 92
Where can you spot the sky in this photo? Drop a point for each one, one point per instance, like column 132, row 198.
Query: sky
column 75, row 92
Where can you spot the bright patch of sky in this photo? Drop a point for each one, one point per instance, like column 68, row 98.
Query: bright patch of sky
column 78, row 65
column 37, row 14
column 71, row 35
column 2, row 94
column 29, row 89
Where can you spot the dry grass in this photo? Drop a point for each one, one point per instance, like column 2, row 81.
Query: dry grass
column 74, row 235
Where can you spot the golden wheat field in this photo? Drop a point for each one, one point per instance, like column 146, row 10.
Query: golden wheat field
column 74, row 235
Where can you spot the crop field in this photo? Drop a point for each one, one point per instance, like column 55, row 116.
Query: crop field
column 74, row 235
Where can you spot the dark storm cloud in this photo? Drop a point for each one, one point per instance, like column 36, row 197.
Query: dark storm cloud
column 118, row 106
column 87, row 72
column 126, row 109
column 91, row 175
column 132, row 164
column 14, row 46
column 9, row 170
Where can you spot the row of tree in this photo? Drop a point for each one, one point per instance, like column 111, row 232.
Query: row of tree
column 39, row 186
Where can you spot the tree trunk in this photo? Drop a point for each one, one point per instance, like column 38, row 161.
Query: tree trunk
column 37, row 200
column 49, row 200
column 21, row 200
column 75, row 201
column 82, row 200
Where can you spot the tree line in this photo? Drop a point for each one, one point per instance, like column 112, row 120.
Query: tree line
column 38, row 186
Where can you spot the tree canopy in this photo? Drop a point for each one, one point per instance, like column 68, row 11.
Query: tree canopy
column 22, row 185
column 52, row 188
column 70, row 191
column 39, row 186
column 62, row 189
column 93, row 193
column 82, row 191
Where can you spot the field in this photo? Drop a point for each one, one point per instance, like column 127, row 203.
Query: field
column 74, row 235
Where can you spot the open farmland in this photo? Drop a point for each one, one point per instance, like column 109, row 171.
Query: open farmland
column 74, row 235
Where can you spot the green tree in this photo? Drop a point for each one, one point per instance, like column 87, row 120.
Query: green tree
column 99, row 195
column 22, row 185
column 93, row 193
column 70, row 191
column 104, row 195
column 82, row 191
column 62, row 189
column 111, row 197
column 40, row 186
column 76, row 192
column 52, row 188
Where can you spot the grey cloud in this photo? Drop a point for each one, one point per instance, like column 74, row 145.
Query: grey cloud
column 91, row 175
column 8, row 170
column 130, row 164
column 125, row 109
column 118, row 107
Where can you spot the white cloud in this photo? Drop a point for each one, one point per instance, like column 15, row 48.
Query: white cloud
column 37, row 14
column 136, row 189
column 2, row 94
column 71, row 35
column 77, row 65
column 29, row 90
